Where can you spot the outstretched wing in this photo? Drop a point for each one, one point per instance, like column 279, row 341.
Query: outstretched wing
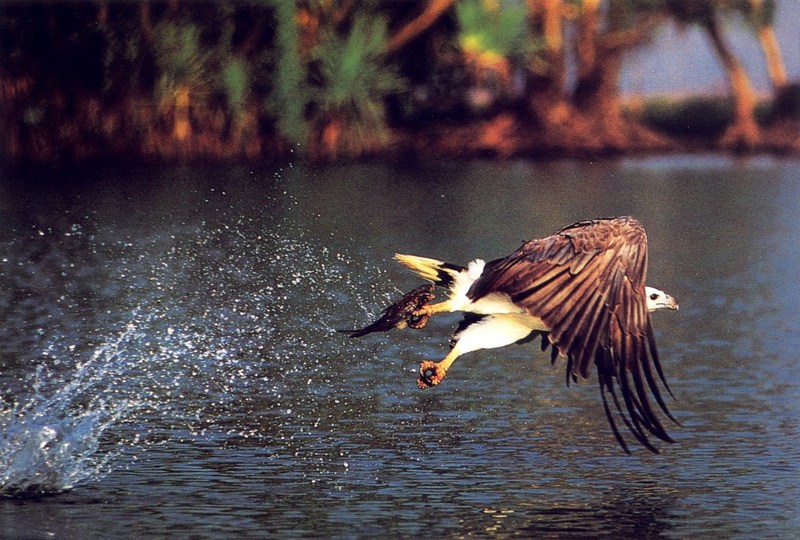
column 586, row 283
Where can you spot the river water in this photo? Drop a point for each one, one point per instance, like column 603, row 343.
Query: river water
column 169, row 365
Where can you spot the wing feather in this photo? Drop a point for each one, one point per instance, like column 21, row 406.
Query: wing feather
column 586, row 282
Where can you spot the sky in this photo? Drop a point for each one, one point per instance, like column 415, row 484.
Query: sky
column 682, row 61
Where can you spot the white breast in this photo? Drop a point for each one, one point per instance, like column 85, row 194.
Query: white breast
column 496, row 331
column 491, row 303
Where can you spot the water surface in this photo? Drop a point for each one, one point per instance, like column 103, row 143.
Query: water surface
column 169, row 364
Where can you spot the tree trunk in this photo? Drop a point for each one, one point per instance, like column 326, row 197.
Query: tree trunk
column 182, row 129
column 547, row 99
column 600, row 57
column 772, row 54
column 588, row 34
column 102, row 15
column 419, row 24
column 769, row 44
column 597, row 98
column 743, row 133
column 595, row 93
column 146, row 23
column 545, row 20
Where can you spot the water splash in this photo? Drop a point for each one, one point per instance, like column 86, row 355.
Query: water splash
column 49, row 443
column 227, row 322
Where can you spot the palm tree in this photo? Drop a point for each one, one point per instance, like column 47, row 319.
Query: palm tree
column 183, row 72
column 332, row 77
column 349, row 81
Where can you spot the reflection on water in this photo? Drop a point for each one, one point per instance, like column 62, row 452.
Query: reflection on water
column 167, row 355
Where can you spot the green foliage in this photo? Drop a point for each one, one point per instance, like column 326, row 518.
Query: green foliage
column 492, row 27
column 703, row 11
column 287, row 100
column 787, row 102
column 691, row 11
column 188, row 55
column 351, row 69
column 701, row 116
column 231, row 72
column 761, row 13
column 180, row 59
column 315, row 70
column 625, row 14
column 236, row 82
column 350, row 79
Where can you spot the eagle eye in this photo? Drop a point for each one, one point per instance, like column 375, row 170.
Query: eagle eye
column 653, row 296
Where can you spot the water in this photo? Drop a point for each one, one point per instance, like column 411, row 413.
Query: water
column 169, row 364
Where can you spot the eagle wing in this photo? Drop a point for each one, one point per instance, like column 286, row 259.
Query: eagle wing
column 586, row 282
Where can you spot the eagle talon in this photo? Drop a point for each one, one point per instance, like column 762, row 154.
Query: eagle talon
column 430, row 374
column 417, row 321
column 420, row 313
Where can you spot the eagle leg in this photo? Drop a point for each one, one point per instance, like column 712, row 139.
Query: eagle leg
column 426, row 311
column 417, row 300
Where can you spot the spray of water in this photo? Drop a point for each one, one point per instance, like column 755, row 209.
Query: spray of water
column 50, row 442
column 221, row 315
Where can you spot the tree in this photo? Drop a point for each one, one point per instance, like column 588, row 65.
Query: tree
column 762, row 15
column 419, row 24
column 605, row 34
column 286, row 99
column 183, row 72
column 205, row 64
column 336, row 77
column 743, row 133
column 762, row 18
column 349, row 80
column 548, row 102
column 492, row 38
column 588, row 116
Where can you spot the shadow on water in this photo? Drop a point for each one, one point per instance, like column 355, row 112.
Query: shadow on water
column 630, row 514
column 169, row 364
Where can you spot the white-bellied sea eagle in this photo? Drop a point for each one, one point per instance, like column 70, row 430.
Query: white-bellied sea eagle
column 582, row 290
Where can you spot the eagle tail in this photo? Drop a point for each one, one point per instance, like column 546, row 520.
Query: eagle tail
column 439, row 272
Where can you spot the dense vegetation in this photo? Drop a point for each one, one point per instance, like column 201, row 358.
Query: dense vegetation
column 333, row 79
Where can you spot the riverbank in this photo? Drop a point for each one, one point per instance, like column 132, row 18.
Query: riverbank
column 658, row 124
column 131, row 132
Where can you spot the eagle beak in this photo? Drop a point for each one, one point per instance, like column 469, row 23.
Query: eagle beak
column 671, row 303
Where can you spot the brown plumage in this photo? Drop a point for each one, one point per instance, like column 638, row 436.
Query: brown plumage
column 586, row 283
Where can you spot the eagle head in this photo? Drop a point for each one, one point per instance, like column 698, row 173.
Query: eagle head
column 657, row 299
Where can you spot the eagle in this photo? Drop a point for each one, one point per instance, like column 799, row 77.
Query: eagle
column 581, row 290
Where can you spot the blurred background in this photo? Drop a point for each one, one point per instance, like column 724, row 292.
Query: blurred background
column 329, row 80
